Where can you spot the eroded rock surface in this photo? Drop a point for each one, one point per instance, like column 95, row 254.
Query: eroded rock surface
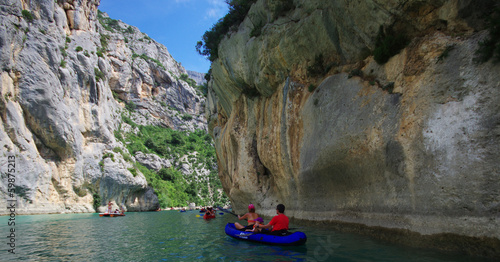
column 65, row 81
column 411, row 144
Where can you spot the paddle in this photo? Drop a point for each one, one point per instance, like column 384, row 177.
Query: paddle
column 226, row 211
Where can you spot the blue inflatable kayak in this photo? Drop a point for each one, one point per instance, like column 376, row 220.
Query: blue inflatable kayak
column 293, row 239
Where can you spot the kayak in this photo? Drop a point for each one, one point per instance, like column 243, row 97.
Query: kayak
column 291, row 239
column 208, row 217
column 111, row 215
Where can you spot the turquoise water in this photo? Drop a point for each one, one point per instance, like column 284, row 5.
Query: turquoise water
column 175, row 236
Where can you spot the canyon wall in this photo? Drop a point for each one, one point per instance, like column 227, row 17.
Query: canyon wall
column 68, row 72
column 303, row 115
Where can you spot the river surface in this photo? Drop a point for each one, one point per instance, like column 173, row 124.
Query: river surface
column 176, row 236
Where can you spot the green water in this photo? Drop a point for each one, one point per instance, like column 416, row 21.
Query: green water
column 175, row 236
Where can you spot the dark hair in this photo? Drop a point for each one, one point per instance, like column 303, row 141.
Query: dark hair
column 281, row 208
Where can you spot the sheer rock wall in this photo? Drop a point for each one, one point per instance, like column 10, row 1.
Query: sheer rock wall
column 65, row 80
column 422, row 157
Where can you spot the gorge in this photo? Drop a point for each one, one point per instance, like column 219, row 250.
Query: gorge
column 373, row 117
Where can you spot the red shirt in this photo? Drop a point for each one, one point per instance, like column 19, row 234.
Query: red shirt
column 279, row 222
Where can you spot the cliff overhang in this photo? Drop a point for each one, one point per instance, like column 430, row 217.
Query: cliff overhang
column 303, row 115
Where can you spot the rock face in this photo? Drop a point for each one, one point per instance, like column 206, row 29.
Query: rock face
column 411, row 144
column 64, row 82
column 198, row 77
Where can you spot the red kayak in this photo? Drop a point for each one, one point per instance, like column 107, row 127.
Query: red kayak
column 111, row 214
column 208, row 216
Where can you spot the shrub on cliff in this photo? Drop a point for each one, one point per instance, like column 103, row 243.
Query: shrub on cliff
column 147, row 58
column 97, row 201
column 387, row 45
column 98, row 74
column 108, row 23
column 209, row 46
column 490, row 47
column 282, row 7
column 188, row 80
column 318, row 67
column 169, row 174
column 203, row 89
column 187, row 117
column 27, row 15
column 257, row 29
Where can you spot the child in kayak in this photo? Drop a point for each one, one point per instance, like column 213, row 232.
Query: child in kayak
column 257, row 221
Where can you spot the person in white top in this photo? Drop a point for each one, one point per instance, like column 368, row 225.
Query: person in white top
column 110, row 207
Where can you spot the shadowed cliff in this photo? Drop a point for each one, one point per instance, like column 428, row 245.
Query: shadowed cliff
column 364, row 113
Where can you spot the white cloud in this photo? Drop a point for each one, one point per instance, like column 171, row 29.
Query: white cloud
column 217, row 9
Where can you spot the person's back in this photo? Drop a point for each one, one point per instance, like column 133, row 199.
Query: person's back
column 250, row 216
column 278, row 223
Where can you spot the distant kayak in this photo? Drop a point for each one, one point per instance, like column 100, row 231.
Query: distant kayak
column 111, row 215
column 291, row 239
column 208, row 217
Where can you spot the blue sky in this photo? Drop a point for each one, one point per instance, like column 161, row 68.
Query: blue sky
column 177, row 24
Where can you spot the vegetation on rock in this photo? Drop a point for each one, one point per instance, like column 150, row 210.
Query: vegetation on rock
column 387, row 45
column 27, row 15
column 209, row 46
column 147, row 58
column 181, row 147
column 282, row 7
column 110, row 24
column 490, row 47
column 96, row 202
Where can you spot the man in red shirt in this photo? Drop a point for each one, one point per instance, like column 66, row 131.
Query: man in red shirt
column 279, row 223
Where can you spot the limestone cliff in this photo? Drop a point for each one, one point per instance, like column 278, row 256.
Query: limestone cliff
column 303, row 115
column 67, row 73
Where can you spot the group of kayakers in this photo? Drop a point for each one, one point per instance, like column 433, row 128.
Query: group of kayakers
column 277, row 226
column 209, row 212
column 255, row 223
